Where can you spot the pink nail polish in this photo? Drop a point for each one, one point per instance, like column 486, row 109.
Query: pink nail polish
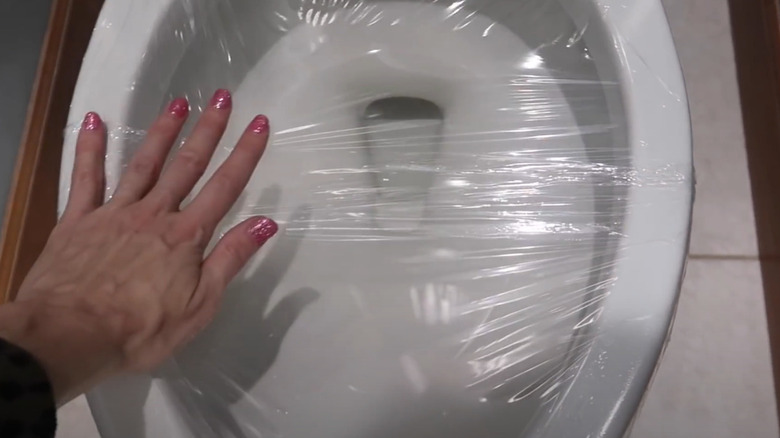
column 222, row 99
column 259, row 125
column 179, row 107
column 263, row 229
column 91, row 122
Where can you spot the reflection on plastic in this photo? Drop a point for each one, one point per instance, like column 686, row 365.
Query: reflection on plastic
column 452, row 177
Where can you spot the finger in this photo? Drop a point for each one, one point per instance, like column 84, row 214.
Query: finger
column 145, row 167
column 88, row 180
column 235, row 249
column 222, row 190
column 193, row 158
column 226, row 260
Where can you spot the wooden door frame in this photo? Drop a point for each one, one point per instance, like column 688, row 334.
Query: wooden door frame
column 31, row 211
column 756, row 35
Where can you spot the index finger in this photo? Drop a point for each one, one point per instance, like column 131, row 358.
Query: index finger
column 225, row 186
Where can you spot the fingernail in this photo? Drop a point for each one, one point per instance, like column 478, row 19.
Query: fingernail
column 222, row 99
column 179, row 107
column 259, row 125
column 91, row 122
column 263, row 230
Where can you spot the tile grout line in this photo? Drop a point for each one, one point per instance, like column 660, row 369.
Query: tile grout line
column 738, row 258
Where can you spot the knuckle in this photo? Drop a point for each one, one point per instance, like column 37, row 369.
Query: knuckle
column 224, row 182
column 193, row 162
column 144, row 167
column 137, row 218
column 153, row 207
column 163, row 128
column 181, row 231
column 233, row 253
column 84, row 176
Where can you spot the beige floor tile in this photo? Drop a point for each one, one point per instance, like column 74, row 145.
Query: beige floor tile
column 715, row 380
column 75, row 421
column 723, row 215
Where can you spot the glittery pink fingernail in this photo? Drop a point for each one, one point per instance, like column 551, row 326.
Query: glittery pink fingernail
column 259, row 125
column 263, row 229
column 91, row 122
column 179, row 107
column 222, row 99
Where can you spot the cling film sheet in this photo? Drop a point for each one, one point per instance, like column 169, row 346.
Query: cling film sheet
column 453, row 180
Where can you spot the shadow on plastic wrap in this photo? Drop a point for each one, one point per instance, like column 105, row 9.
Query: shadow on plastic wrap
column 247, row 332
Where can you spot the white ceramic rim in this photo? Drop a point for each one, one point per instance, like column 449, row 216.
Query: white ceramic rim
column 636, row 318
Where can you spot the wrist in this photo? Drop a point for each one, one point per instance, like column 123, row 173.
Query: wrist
column 70, row 345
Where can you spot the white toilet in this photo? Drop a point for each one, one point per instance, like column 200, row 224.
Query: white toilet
column 485, row 208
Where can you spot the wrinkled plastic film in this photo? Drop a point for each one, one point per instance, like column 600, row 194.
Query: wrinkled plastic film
column 452, row 179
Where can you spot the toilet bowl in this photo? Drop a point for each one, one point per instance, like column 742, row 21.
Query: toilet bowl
column 485, row 207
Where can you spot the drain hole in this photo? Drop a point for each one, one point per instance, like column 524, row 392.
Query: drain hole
column 403, row 141
column 403, row 108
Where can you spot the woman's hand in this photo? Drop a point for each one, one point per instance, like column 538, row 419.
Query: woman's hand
column 121, row 286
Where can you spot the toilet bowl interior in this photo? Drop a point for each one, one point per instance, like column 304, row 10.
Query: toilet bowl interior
column 438, row 273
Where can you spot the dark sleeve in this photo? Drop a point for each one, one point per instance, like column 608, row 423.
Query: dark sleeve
column 27, row 406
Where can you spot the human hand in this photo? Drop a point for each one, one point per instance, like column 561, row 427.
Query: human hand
column 120, row 286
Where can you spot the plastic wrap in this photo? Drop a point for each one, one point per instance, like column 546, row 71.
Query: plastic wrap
column 485, row 209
